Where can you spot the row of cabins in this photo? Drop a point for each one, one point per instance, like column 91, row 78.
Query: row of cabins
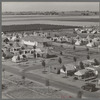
column 89, row 41
column 87, row 30
column 14, row 35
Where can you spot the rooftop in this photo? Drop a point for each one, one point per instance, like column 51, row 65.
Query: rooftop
column 35, row 38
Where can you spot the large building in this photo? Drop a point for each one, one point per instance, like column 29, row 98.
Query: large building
column 35, row 40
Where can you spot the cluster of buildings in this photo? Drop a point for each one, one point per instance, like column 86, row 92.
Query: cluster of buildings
column 20, row 46
column 87, row 73
column 78, row 40
column 90, row 30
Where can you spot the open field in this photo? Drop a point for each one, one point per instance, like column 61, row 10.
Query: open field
column 55, row 20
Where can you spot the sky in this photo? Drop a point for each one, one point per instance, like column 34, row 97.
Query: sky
column 49, row 6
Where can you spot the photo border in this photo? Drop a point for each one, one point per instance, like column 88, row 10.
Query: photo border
column 1, row 38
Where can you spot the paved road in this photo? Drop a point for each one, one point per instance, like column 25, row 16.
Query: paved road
column 60, row 85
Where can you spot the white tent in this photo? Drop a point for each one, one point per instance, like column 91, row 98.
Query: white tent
column 94, row 32
column 78, row 42
column 15, row 59
column 29, row 43
column 62, row 71
column 13, row 38
column 90, row 44
column 79, row 73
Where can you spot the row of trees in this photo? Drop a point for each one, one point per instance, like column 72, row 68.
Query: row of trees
column 14, row 28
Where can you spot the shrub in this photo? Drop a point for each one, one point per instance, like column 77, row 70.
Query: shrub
column 88, row 57
column 96, row 62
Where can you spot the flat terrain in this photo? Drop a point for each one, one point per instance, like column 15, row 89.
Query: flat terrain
column 55, row 20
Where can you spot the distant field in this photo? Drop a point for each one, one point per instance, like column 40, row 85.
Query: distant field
column 55, row 20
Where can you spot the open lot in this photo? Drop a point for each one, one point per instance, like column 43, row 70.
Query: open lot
column 17, row 89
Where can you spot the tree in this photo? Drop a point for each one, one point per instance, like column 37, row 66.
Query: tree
column 34, row 54
column 4, row 86
column 44, row 65
column 61, row 46
column 4, row 55
column 3, row 72
column 74, row 47
column 79, row 94
column 23, row 78
column 47, row 83
column 10, row 44
column 34, row 47
column 87, row 49
column 20, row 52
column 60, row 60
column 44, row 44
column 64, row 69
column 75, row 59
column 61, row 53
column 88, row 57
column 72, row 41
column 22, row 47
column 18, row 57
column 81, row 65
column 24, row 57
column 90, row 41
column 55, row 35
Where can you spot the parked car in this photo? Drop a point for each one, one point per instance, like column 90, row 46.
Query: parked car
column 89, row 87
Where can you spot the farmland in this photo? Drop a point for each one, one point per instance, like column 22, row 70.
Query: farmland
column 55, row 20
column 31, row 27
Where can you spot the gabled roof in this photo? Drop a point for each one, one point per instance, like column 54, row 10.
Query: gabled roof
column 81, row 72
column 16, row 45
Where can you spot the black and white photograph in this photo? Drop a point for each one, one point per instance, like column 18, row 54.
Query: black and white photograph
column 50, row 50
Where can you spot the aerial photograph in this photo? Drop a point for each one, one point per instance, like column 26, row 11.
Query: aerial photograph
column 50, row 50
